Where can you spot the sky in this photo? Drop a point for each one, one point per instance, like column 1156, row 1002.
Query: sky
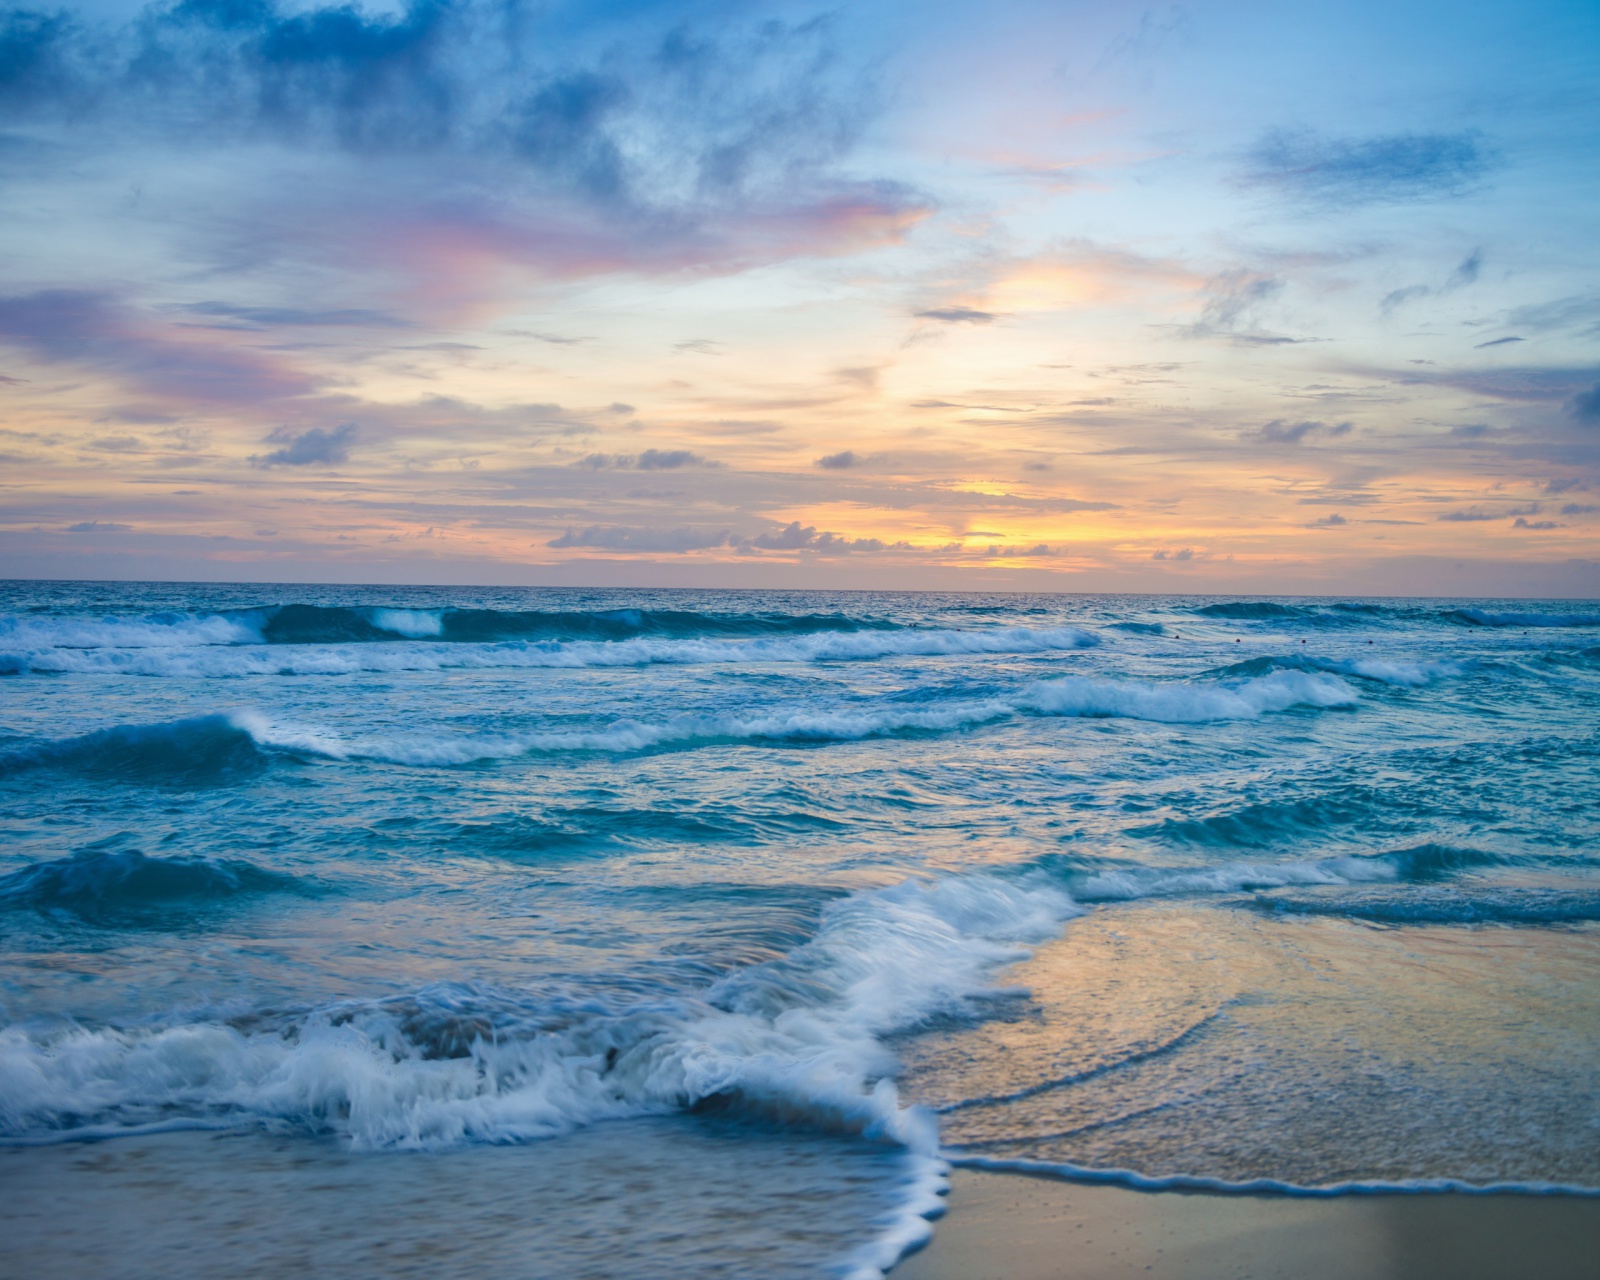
column 1212, row 297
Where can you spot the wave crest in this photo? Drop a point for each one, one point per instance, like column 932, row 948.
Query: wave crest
column 125, row 885
column 199, row 751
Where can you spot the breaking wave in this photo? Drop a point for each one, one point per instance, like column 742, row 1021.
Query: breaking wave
column 1379, row 670
column 1248, row 610
column 800, row 1036
column 1070, row 697
column 199, row 751
column 1419, row 865
column 220, row 748
column 327, row 658
column 323, row 624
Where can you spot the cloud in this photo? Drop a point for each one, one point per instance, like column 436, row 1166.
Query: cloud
column 841, row 461
column 1038, row 551
column 1585, row 406
column 1466, row 273
column 1234, row 300
column 675, row 134
column 94, row 330
column 790, row 537
column 626, row 538
column 1497, row 342
column 1187, row 553
column 1562, row 313
column 1330, row 521
column 233, row 317
column 649, row 460
column 1278, row 431
column 1520, row 523
column 1402, row 296
column 1579, row 509
column 1478, row 514
column 1345, row 171
column 795, row 537
column 314, row 447
column 958, row 315
column 1514, row 383
column 99, row 526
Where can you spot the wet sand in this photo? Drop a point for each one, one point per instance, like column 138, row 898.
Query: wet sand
column 1006, row 1226
column 196, row 1206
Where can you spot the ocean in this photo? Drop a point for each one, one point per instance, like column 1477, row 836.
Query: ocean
column 661, row 934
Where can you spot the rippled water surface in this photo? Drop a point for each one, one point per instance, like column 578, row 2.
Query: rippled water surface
column 807, row 890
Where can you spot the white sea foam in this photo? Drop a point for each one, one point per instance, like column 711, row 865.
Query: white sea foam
column 799, row 1037
column 414, row 624
column 1125, row 884
column 1387, row 671
column 1177, row 703
column 1267, row 1186
column 350, row 659
column 799, row 1034
column 166, row 631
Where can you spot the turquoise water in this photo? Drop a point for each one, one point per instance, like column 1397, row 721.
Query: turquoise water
column 835, row 887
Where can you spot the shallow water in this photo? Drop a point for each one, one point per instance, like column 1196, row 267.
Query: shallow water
column 1302, row 892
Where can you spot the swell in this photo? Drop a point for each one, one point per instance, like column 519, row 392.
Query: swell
column 300, row 624
column 1485, row 618
column 1499, row 905
column 560, row 831
column 1172, row 703
column 218, row 749
column 125, row 886
column 331, row 659
column 198, row 751
column 1354, row 612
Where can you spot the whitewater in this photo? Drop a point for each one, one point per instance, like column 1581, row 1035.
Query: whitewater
column 765, row 909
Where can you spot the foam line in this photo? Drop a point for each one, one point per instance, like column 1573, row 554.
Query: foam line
column 1177, row 703
column 1264, row 1186
column 199, row 661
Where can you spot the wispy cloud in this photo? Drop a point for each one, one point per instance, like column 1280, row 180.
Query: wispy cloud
column 625, row 538
column 1343, row 171
column 649, row 460
column 1582, row 312
column 94, row 330
column 957, row 315
column 1281, row 431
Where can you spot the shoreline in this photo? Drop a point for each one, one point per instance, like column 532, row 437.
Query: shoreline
column 1013, row 1225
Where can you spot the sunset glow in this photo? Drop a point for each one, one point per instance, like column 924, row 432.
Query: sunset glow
column 1045, row 296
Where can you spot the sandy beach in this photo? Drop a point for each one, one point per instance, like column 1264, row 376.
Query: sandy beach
column 1004, row 1226
column 197, row 1206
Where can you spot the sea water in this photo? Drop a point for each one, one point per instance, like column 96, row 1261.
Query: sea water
column 691, row 933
